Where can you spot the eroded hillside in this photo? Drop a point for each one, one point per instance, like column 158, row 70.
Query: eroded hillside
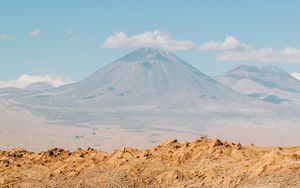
column 202, row 163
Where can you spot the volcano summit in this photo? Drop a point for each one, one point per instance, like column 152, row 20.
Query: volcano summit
column 146, row 76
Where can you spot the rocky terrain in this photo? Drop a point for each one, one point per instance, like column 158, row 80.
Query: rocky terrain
column 202, row 163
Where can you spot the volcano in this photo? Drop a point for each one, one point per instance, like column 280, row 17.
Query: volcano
column 268, row 83
column 146, row 76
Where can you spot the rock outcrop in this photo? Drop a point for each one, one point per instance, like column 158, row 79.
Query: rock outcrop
column 202, row 163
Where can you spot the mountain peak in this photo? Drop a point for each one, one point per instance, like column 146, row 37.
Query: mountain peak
column 149, row 54
column 38, row 86
column 151, row 50
column 273, row 69
column 268, row 83
column 247, row 70
column 147, row 76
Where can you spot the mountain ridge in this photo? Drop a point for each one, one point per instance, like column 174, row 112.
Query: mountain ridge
column 146, row 76
column 264, row 83
column 202, row 163
column 38, row 86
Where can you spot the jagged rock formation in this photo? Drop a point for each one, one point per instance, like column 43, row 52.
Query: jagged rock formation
column 202, row 163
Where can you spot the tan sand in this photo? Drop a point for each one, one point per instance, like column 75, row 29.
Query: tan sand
column 202, row 163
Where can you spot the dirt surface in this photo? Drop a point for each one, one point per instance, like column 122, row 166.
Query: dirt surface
column 22, row 129
column 202, row 163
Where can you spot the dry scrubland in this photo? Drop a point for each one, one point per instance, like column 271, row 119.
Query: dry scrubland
column 202, row 163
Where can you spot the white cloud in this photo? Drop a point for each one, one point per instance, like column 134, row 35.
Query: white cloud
column 265, row 55
column 156, row 39
column 234, row 50
column 70, row 36
column 25, row 80
column 6, row 37
column 296, row 75
column 230, row 43
column 35, row 32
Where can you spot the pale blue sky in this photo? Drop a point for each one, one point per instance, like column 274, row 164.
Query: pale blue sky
column 71, row 32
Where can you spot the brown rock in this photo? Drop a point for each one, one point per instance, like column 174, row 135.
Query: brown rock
column 203, row 163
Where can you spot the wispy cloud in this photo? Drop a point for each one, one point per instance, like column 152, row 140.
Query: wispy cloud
column 25, row 80
column 264, row 55
column 70, row 36
column 6, row 37
column 156, row 39
column 234, row 50
column 35, row 32
column 230, row 43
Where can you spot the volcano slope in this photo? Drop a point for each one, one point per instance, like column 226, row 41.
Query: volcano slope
column 202, row 163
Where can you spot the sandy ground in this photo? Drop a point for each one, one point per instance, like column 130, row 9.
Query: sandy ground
column 201, row 163
column 20, row 129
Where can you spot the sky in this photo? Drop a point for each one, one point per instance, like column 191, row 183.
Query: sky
column 64, row 41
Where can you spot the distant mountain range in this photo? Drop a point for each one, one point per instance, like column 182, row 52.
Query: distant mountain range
column 146, row 76
column 149, row 84
column 38, row 86
column 268, row 83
